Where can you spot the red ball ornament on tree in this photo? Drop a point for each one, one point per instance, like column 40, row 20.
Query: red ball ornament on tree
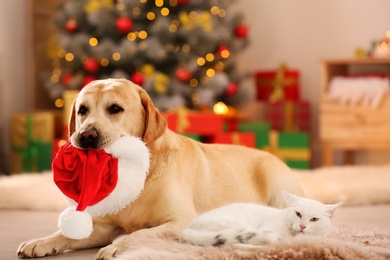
column 88, row 79
column 231, row 89
column 182, row 2
column 223, row 51
column 91, row 65
column 67, row 78
column 241, row 31
column 71, row 25
column 124, row 24
column 183, row 74
column 138, row 78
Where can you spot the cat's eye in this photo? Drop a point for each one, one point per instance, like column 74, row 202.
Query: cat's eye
column 298, row 214
column 313, row 219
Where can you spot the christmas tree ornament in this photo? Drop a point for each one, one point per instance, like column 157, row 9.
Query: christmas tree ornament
column 231, row 89
column 95, row 5
column 71, row 25
column 124, row 24
column 88, row 79
column 241, row 31
column 161, row 83
column 98, row 182
column 67, row 78
column 182, row 2
column 91, row 65
column 183, row 74
column 223, row 51
column 138, row 78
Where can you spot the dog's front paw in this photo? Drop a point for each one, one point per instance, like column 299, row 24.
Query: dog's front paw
column 36, row 248
column 109, row 252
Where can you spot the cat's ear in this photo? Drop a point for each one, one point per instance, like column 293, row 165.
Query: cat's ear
column 331, row 208
column 289, row 198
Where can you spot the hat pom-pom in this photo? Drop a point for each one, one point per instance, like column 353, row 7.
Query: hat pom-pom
column 75, row 224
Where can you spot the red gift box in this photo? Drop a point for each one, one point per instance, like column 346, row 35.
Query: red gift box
column 277, row 85
column 289, row 115
column 194, row 122
column 247, row 139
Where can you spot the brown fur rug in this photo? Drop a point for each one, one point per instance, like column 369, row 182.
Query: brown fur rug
column 342, row 243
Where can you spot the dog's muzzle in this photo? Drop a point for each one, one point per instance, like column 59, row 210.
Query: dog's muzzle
column 88, row 138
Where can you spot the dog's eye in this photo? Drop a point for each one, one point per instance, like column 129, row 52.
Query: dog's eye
column 314, row 219
column 298, row 214
column 82, row 110
column 115, row 109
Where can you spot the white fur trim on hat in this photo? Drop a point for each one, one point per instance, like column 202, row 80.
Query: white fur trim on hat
column 133, row 166
column 75, row 224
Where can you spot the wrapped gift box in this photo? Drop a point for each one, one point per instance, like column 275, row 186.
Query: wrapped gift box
column 246, row 139
column 185, row 121
column 289, row 115
column 291, row 147
column 276, row 85
column 259, row 129
column 32, row 135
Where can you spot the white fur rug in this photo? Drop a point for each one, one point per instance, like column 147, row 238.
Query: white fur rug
column 340, row 244
column 354, row 185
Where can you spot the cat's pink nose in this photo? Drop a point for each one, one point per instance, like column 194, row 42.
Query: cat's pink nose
column 302, row 227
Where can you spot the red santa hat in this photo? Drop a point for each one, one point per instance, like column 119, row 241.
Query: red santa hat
column 98, row 182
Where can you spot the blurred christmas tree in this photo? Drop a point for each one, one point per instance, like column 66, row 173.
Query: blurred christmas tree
column 182, row 52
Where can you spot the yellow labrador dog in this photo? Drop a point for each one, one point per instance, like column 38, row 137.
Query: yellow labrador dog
column 185, row 179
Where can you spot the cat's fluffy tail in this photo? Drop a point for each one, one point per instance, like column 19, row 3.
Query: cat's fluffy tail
column 234, row 237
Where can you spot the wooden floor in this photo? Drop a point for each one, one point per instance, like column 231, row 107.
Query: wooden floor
column 17, row 226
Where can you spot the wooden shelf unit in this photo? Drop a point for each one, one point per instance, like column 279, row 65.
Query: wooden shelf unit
column 352, row 128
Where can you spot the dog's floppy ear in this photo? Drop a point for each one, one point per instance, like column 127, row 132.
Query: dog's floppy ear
column 155, row 124
column 72, row 120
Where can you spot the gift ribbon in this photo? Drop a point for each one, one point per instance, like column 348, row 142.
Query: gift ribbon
column 182, row 120
column 34, row 157
column 285, row 153
column 278, row 84
column 289, row 117
column 202, row 19
column 236, row 138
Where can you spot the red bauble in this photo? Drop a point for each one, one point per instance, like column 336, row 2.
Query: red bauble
column 182, row 1
column 231, row 89
column 71, row 25
column 223, row 51
column 88, row 79
column 91, row 65
column 183, row 74
column 241, row 31
column 67, row 78
column 138, row 78
column 124, row 24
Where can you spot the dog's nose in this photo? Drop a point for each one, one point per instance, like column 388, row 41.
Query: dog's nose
column 88, row 137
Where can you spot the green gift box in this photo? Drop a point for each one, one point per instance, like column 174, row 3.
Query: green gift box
column 292, row 147
column 32, row 135
column 260, row 129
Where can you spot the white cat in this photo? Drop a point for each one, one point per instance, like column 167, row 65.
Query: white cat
column 248, row 225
